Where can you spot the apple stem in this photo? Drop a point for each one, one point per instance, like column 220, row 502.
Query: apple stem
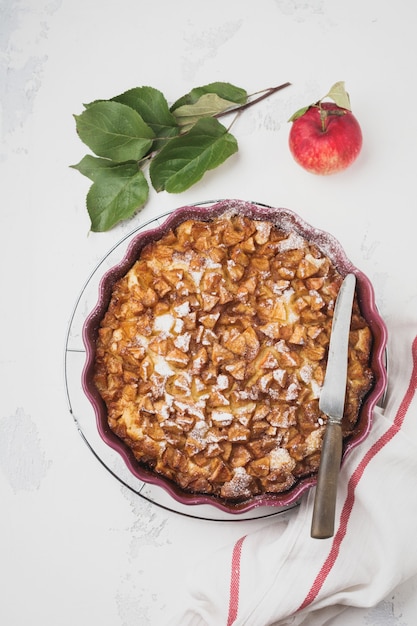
column 325, row 113
column 323, row 118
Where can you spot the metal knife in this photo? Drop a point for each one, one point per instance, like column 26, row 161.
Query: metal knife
column 332, row 402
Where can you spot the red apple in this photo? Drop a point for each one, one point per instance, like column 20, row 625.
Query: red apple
column 325, row 138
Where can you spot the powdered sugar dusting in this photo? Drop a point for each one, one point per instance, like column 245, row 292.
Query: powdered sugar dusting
column 183, row 309
column 161, row 366
column 281, row 459
column 163, row 323
column 294, row 241
column 239, row 485
column 222, row 418
column 183, row 341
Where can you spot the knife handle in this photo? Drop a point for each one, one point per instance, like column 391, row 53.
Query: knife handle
column 322, row 526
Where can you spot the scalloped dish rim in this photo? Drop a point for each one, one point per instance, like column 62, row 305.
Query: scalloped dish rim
column 286, row 219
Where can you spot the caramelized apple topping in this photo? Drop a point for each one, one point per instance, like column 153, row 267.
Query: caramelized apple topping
column 212, row 354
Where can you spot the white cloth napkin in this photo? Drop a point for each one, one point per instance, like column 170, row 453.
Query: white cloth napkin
column 278, row 575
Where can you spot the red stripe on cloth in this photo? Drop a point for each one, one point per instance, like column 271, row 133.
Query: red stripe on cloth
column 235, row 582
column 354, row 480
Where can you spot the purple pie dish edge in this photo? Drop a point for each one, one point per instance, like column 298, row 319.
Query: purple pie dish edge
column 288, row 220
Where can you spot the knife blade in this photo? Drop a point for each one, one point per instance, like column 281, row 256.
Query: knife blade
column 332, row 402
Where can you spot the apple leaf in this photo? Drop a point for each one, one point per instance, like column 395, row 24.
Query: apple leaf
column 185, row 159
column 339, row 95
column 299, row 113
column 153, row 108
column 226, row 91
column 208, row 105
column 115, row 131
column 92, row 167
column 116, row 195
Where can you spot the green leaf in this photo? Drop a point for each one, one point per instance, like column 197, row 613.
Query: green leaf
column 299, row 113
column 153, row 108
column 339, row 95
column 116, row 195
column 226, row 91
column 92, row 167
column 185, row 159
column 114, row 131
column 208, row 105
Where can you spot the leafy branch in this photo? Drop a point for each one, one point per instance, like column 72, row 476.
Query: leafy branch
column 138, row 129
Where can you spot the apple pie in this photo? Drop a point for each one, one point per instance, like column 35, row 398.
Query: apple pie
column 212, row 352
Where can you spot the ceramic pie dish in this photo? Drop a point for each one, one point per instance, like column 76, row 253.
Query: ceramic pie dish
column 290, row 222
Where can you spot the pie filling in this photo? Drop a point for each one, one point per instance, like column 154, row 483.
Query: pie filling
column 212, row 353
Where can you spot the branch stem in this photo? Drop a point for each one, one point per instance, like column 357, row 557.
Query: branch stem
column 265, row 94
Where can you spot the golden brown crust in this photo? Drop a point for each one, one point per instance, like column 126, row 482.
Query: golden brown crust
column 212, row 353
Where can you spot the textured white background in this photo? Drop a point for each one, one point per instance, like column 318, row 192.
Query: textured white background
column 76, row 546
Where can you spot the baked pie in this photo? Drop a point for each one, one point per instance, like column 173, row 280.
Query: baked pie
column 211, row 355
